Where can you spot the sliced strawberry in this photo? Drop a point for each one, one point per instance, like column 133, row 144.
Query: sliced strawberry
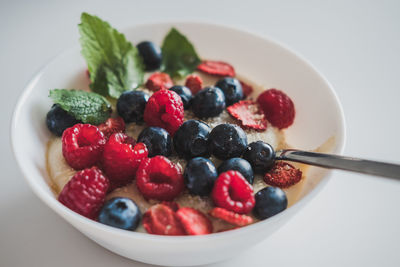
column 158, row 81
column 283, row 175
column 173, row 205
column 218, row 68
column 231, row 217
column 162, row 220
column 194, row 222
column 247, row 89
column 112, row 125
column 249, row 114
column 194, row 83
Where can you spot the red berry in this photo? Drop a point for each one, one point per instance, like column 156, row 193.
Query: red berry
column 194, row 222
column 231, row 217
column 232, row 192
column 278, row 108
column 282, row 174
column 159, row 178
column 194, row 83
column 82, row 145
column 218, row 68
column 112, row 125
column 173, row 205
column 164, row 109
column 121, row 158
column 247, row 89
column 162, row 220
column 158, row 81
column 85, row 192
column 249, row 114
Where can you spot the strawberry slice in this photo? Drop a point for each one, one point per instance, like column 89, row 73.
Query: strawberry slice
column 218, row 68
column 283, row 175
column 194, row 83
column 231, row 217
column 194, row 222
column 249, row 114
column 159, row 81
column 111, row 126
column 247, row 89
column 173, row 205
column 160, row 219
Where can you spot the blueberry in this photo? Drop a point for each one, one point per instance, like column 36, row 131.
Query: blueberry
column 120, row 212
column 191, row 139
column 200, row 175
column 131, row 105
column 58, row 120
column 269, row 201
column 184, row 93
column 227, row 141
column 232, row 90
column 157, row 140
column 240, row 165
column 151, row 55
column 208, row 102
column 260, row 155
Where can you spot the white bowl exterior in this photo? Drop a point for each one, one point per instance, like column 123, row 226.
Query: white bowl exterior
column 318, row 117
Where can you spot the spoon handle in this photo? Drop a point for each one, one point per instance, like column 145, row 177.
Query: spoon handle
column 384, row 169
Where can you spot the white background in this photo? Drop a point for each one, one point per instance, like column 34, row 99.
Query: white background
column 354, row 221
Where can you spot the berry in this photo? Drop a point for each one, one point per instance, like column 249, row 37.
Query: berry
column 194, row 222
column 191, row 139
column 247, row 89
column 218, row 68
column 232, row 192
column 249, row 114
column 120, row 212
column 209, row 102
column 112, row 125
column 240, row 165
column 278, row 108
column 283, row 175
column 260, row 155
column 160, row 219
column 159, row 81
column 200, row 175
column 269, row 201
column 165, row 110
column 159, row 178
column 231, row 217
column 131, row 105
column 57, row 120
column 85, row 192
column 157, row 140
column 82, row 145
column 151, row 55
column 227, row 141
column 194, row 83
column 173, row 205
column 184, row 93
column 232, row 90
column 121, row 158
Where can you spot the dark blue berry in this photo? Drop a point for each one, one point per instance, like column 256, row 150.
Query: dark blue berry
column 240, row 165
column 232, row 90
column 184, row 93
column 200, row 175
column 58, row 120
column 131, row 105
column 191, row 139
column 260, row 155
column 151, row 55
column 227, row 141
column 269, row 201
column 120, row 212
column 208, row 102
column 157, row 140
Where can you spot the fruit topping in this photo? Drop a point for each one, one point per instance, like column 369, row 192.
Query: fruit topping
column 173, row 205
column 232, row 90
column 218, row 68
column 111, row 126
column 184, row 93
column 157, row 140
column 131, row 105
column 57, row 120
column 247, row 89
column 260, row 155
column 160, row 219
column 240, row 165
column 200, row 175
column 194, row 83
column 208, row 102
column 249, row 115
column 231, row 217
column 283, row 175
column 159, row 81
column 227, row 141
column 85, row 192
column 151, row 55
column 269, row 201
column 120, row 212
column 194, row 222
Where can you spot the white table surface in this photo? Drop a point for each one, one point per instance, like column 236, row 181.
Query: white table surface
column 355, row 219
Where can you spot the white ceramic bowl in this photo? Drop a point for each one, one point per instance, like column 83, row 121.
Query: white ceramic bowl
column 319, row 116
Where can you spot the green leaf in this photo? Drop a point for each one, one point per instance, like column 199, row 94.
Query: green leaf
column 85, row 106
column 179, row 58
column 114, row 64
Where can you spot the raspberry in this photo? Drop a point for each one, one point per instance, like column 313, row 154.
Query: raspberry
column 247, row 89
column 158, row 81
column 82, row 145
column 85, row 192
column 121, row 158
column 278, row 108
column 194, row 83
column 162, row 220
column 231, row 217
column 218, row 68
column 232, row 192
column 164, row 109
column 159, row 178
column 249, row 114
column 283, row 175
column 112, row 125
column 194, row 222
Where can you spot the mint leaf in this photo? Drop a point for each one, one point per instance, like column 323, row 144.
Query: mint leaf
column 179, row 58
column 114, row 64
column 85, row 106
